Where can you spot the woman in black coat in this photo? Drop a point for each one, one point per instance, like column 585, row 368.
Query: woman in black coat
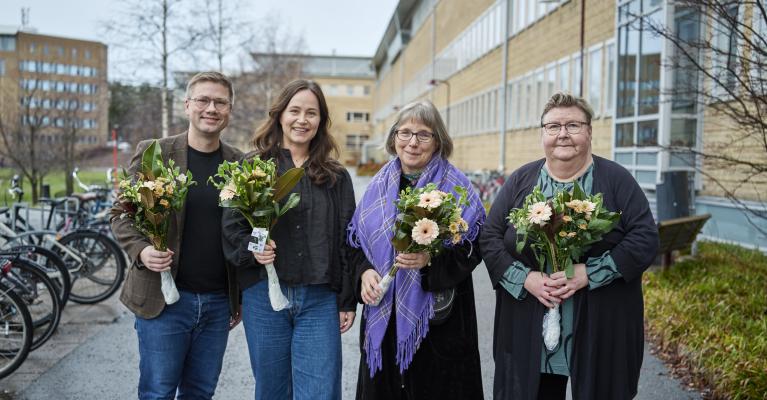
column 409, row 351
column 602, row 338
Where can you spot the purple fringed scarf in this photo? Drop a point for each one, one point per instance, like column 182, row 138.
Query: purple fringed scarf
column 371, row 229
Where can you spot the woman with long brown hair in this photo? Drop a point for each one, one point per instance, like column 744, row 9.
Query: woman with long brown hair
column 296, row 352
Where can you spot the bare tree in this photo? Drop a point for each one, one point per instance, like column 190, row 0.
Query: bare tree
column 719, row 62
column 27, row 135
column 275, row 57
column 227, row 33
column 154, row 31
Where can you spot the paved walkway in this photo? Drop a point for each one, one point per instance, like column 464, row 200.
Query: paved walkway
column 94, row 356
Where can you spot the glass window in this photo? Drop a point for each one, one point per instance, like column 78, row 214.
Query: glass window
column 32, row 47
column 683, row 132
column 577, row 75
column 649, row 68
column 87, row 54
column 46, row 51
column 610, row 53
column 625, row 158
column 595, row 80
column 647, row 159
column 7, row 43
column 540, row 91
column 628, row 48
column 528, row 111
column 74, row 53
column 365, row 89
column 646, row 177
column 624, row 135
column 647, row 133
column 551, row 81
column 726, row 44
column 2, row 67
column 564, row 76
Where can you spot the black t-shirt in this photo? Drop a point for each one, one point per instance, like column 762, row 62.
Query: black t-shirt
column 201, row 266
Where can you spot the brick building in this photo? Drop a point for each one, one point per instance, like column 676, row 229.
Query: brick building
column 490, row 65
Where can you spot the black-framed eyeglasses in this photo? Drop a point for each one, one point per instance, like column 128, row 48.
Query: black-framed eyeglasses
column 572, row 127
column 201, row 103
column 421, row 136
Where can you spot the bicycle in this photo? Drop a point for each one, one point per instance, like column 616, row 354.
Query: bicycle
column 37, row 291
column 15, row 331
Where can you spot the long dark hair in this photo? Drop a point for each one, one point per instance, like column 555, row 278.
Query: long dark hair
column 323, row 165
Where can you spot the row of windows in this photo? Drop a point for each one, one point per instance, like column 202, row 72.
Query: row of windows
column 58, row 122
column 58, row 86
column 347, row 90
column 354, row 142
column 527, row 94
column 357, row 117
column 60, row 51
column 57, row 68
column 58, row 104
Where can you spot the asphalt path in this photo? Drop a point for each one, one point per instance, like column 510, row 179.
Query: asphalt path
column 95, row 356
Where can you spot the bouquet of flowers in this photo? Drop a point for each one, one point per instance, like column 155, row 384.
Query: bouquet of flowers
column 148, row 198
column 560, row 231
column 252, row 188
column 427, row 219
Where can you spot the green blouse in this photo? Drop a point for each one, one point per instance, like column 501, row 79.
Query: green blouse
column 600, row 270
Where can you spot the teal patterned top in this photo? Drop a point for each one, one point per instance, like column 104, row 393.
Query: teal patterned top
column 600, row 270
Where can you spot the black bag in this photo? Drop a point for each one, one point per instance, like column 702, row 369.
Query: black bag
column 443, row 305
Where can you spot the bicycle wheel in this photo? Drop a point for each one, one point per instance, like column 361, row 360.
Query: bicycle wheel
column 15, row 331
column 100, row 270
column 30, row 282
column 54, row 267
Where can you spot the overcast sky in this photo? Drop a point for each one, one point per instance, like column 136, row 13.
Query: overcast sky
column 348, row 27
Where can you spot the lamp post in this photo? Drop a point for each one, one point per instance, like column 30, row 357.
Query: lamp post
column 435, row 83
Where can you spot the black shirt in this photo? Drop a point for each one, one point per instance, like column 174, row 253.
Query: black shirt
column 201, row 264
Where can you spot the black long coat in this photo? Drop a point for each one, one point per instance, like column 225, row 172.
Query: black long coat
column 446, row 365
column 608, row 327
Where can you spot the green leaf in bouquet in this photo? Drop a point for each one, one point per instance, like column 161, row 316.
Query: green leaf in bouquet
column 569, row 270
column 263, row 211
column 578, row 193
column 154, row 218
column 292, row 201
column 600, row 225
column 401, row 240
column 287, row 182
column 151, row 161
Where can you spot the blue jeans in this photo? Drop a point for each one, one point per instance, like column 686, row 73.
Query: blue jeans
column 295, row 353
column 183, row 348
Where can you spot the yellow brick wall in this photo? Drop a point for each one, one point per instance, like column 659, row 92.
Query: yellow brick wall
column 417, row 55
column 339, row 105
column 453, row 16
column 722, row 136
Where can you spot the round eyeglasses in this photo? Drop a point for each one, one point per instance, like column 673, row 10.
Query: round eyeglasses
column 573, row 128
column 201, row 103
column 421, row 136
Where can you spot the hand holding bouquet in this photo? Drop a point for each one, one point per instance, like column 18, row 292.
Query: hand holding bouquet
column 252, row 188
column 148, row 198
column 427, row 218
column 559, row 231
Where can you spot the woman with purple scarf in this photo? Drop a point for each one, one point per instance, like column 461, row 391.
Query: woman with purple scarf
column 420, row 341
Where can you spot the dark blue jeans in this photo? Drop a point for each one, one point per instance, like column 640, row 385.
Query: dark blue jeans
column 183, row 348
column 295, row 353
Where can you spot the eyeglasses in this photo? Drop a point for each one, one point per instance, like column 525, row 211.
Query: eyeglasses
column 201, row 103
column 573, row 128
column 422, row 136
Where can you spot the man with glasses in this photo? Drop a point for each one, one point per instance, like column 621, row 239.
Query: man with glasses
column 181, row 345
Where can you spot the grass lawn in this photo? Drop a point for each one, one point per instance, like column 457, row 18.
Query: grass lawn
column 54, row 179
column 710, row 313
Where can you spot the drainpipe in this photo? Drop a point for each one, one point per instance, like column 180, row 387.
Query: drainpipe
column 504, row 90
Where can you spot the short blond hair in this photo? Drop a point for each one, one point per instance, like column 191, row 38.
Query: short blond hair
column 211, row 76
column 563, row 100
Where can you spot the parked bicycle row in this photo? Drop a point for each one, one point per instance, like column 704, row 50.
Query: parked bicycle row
column 42, row 267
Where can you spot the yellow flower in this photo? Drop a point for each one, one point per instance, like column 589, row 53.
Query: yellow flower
column 562, row 233
column 567, row 218
column 258, row 173
column 463, row 225
column 583, row 226
column 456, row 238
column 159, row 190
column 164, row 203
column 571, row 234
column 453, row 227
column 169, row 189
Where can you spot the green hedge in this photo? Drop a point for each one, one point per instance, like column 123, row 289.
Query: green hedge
column 712, row 312
column 54, row 179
